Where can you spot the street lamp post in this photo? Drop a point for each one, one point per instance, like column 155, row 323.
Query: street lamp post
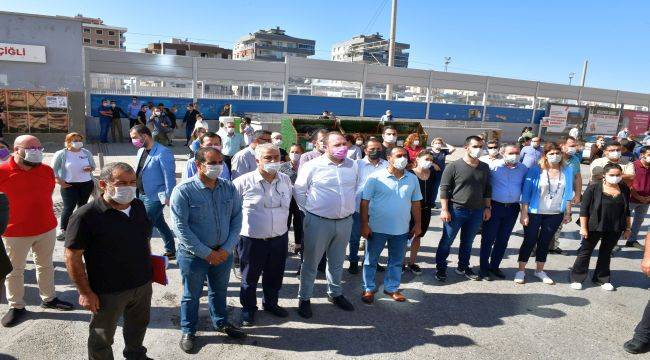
column 447, row 61
column 571, row 76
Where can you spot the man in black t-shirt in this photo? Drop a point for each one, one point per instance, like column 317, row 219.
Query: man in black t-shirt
column 111, row 234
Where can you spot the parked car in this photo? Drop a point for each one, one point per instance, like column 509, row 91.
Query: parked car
column 591, row 140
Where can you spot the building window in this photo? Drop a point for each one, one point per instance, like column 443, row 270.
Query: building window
column 99, row 42
column 181, row 52
column 111, row 32
column 99, row 32
column 86, row 41
column 86, row 30
column 111, row 42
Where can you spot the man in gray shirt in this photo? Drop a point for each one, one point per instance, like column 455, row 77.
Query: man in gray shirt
column 465, row 193
column 244, row 160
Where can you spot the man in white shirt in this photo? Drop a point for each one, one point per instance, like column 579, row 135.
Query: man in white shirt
column 493, row 155
column 368, row 165
column 325, row 190
column 266, row 196
column 388, row 117
column 244, row 160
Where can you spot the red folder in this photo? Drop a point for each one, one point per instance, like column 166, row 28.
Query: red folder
column 159, row 264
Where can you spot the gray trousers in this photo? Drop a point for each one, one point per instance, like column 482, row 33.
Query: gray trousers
column 323, row 236
column 134, row 305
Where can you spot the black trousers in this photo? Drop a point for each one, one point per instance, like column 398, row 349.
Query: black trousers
column 642, row 331
column 73, row 197
column 134, row 305
column 540, row 231
column 266, row 258
column 581, row 266
column 296, row 216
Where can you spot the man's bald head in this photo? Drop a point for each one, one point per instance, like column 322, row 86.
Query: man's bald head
column 26, row 141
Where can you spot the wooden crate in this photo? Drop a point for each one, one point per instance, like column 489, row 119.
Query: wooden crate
column 58, row 123
column 17, row 100
column 36, row 101
column 38, row 122
column 17, row 122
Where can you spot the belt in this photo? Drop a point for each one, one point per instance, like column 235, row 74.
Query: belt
column 266, row 239
column 506, row 205
column 326, row 218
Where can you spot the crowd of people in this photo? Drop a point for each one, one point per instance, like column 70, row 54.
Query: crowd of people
column 241, row 193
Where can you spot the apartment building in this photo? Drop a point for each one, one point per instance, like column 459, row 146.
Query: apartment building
column 370, row 49
column 186, row 48
column 97, row 34
column 272, row 45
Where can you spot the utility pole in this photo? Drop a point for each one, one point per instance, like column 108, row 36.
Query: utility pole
column 571, row 76
column 391, row 46
column 584, row 73
column 447, row 61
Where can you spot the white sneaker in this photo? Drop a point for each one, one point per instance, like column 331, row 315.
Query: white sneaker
column 576, row 286
column 607, row 287
column 520, row 277
column 545, row 279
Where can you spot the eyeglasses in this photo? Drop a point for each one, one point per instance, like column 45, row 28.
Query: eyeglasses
column 40, row 148
column 491, row 147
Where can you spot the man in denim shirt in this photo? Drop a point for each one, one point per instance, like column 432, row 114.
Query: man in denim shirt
column 207, row 219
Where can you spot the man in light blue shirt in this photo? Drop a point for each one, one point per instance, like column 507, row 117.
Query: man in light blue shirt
column 507, row 179
column 232, row 142
column 389, row 198
column 207, row 219
column 531, row 154
column 368, row 165
column 133, row 109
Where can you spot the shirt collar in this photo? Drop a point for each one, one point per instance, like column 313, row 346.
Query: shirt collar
column 197, row 180
column 257, row 177
column 366, row 161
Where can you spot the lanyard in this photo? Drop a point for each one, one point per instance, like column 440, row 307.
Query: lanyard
column 551, row 193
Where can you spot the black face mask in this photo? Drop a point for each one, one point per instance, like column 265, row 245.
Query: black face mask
column 31, row 164
column 374, row 155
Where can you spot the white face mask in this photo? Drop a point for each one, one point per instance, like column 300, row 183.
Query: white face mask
column 437, row 146
column 416, row 142
column 511, row 159
column 493, row 151
column 77, row 145
column 230, row 130
column 614, row 155
column 123, row 194
column 213, row 171
column 359, row 142
column 294, row 156
column 272, row 168
column 613, row 179
column 400, row 163
column 535, row 144
column 571, row 150
column 277, row 142
column 600, row 143
column 647, row 159
column 33, row 156
column 157, row 113
column 554, row 159
column 423, row 163
column 474, row 152
column 390, row 138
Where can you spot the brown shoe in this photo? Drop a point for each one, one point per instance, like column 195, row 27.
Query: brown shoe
column 397, row 296
column 368, row 297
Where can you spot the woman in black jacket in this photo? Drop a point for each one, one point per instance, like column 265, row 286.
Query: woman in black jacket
column 5, row 264
column 604, row 215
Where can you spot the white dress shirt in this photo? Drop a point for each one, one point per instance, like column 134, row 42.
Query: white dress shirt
column 327, row 189
column 265, row 206
column 365, row 169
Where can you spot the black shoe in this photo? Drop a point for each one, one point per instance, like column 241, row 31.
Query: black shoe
column 616, row 248
column 354, row 267
column 170, row 256
column 247, row 318
column 556, row 251
column 57, row 305
column 304, row 309
column 298, row 271
column 232, row 331
column 484, row 276
column 381, row 268
column 415, row 269
column 13, row 317
column 341, row 302
column 187, row 342
column 404, row 268
column 468, row 273
column 498, row 273
column 276, row 310
column 635, row 346
column 441, row 275
column 634, row 244
column 61, row 236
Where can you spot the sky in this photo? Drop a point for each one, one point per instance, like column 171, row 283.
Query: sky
column 530, row 40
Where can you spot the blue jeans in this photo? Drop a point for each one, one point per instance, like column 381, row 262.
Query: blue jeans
column 396, row 250
column 104, row 127
column 639, row 212
column 194, row 271
column 467, row 222
column 154, row 209
column 355, row 238
column 496, row 233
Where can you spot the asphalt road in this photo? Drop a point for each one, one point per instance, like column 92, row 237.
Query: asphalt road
column 459, row 319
